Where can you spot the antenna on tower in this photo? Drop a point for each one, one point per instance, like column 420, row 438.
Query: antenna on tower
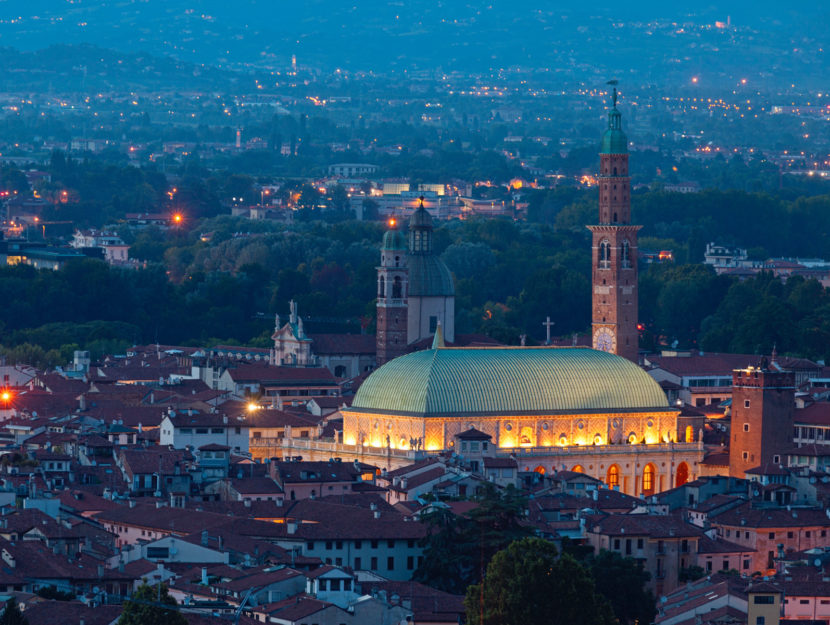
column 614, row 83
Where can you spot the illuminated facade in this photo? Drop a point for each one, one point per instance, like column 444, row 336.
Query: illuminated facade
column 550, row 408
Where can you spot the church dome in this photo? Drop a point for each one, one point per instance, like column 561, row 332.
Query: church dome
column 507, row 381
column 394, row 240
column 429, row 276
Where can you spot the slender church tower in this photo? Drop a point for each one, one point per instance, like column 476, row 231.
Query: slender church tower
column 614, row 248
column 393, row 287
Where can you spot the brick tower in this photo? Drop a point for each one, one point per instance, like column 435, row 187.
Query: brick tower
column 393, row 286
column 614, row 249
column 763, row 402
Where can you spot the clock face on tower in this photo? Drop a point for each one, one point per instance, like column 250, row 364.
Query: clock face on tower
column 604, row 340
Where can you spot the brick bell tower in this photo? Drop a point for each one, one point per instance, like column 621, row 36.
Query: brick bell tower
column 393, row 286
column 614, row 248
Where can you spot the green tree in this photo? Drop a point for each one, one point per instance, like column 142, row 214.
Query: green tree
column 528, row 583
column 12, row 614
column 146, row 607
column 622, row 581
column 457, row 548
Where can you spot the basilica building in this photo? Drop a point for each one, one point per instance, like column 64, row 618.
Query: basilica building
column 590, row 410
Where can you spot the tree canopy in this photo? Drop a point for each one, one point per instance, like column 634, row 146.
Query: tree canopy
column 529, row 583
column 146, row 606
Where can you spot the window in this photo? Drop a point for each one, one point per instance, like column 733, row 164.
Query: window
column 216, row 430
column 617, row 544
column 433, row 324
column 759, row 620
column 648, row 479
column 390, row 544
column 410, row 543
column 804, row 601
column 625, row 254
column 410, row 563
column 639, row 543
column 776, row 459
column 613, row 478
column 338, row 562
column 746, row 427
column 328, row 545
column 201, row 430
column 381, row 287
column 604, row 256
column 358, row 544
column 746, row 403
column 357, row 564
column 823, row 533
column 186, row 430
column 746, row 564
column 745, row 455
column 374, row 544
column 789, row 534
column 628, row 546
column 397, row 288
column 771, row 535
column 390, row 563
column 373, row 563
column 339, row 544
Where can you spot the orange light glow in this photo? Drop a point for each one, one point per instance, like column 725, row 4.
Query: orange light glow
column 392, row 222
column 6, row 396
column 177, row 218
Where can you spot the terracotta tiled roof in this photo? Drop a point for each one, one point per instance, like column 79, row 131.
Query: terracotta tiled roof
column 814, row 414
column 750, row 517
column 645, row 525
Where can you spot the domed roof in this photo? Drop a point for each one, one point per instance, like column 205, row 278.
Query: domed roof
column 429, row 276
column 420, row 218
column 614, row 140
column 508, row 381
column 394, row 240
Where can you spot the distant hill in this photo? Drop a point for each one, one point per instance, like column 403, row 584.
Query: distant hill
column 420, row 34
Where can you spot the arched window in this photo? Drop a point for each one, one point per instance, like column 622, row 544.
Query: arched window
column 613, row 477
column 340, row 371
column 615, row 171
column 604, row 255
column 690, row 434
column 682, row 475
column 397, row 288
column 648, row 479
column 625, row 254
column 526, row 436
column 540, row 469
column 382, row 287
column 578, row 469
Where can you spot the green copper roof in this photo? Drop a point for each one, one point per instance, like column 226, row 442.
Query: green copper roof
column 429, row 276
column 508, row 380
column 614, row 140
column 394, row 240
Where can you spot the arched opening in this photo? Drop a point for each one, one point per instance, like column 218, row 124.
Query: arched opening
column 612, row 479
column 625, row 254
column 690, row 434
column 604, row 255
column 649, row 474
column 682, row 475
column 615, row 217
column 397, row 288
column 340, row 371
column 382, row 287
column 540, row 469
column 615, row 171
column 578, row 469
column 526, row 436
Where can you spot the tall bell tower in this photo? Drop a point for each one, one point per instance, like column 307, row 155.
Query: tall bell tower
column 614, row 248
column 393, row 289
